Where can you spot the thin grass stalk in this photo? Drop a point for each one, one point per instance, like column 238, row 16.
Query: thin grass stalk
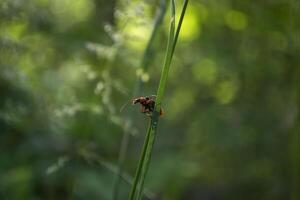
column 133, row 191
column 148, row 145
column 133, row 194
column 144, row 65
column 179, row 25
column 167, row 61
column 154, row 119
column 152, row 135
column 148, row 53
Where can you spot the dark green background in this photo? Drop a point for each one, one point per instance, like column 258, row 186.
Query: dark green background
column 231, row 104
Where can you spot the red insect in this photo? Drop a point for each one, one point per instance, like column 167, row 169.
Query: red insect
column 147, row 103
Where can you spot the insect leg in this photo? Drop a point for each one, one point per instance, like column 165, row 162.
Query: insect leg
column 143, row 110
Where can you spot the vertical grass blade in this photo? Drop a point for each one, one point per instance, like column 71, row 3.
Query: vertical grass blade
column 139, row 167
column 167, row 61
column 148, row 53
column 154, row 120
column 145, row 62
column 179, row 24
column 136, row 192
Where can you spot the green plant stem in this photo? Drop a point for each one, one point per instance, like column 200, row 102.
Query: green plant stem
column 169, row 56
column 167, row 62
column 154, row 119
column 148, row 53
column 179, row 25
column 140, row 165
column 144, row 65
column 152, row 128
column 152, row 135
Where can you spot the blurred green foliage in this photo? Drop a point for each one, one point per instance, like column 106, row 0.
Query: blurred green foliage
column 231, row 123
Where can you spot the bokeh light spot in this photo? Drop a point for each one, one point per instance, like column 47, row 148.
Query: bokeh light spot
column 236, row 20
column 142, row 75
column 68, row 12
column 145, row 77
column 226, row 91
column 205, row 71
column 191, row 26
column 138, row 35
column 13, row 30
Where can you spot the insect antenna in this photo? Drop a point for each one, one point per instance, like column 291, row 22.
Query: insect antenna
column 124, row 105
column 153, row 97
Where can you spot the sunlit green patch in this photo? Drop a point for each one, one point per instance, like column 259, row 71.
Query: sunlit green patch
column 135, row 24
column 74, row 73
column 137, row 35
column 142, row 75
column 13, row 30
column 103, row 51
column 68, row 13
column 38, row 55
column 205, row 71
column 236, row 20
column 225, row 91
column 191, row 27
